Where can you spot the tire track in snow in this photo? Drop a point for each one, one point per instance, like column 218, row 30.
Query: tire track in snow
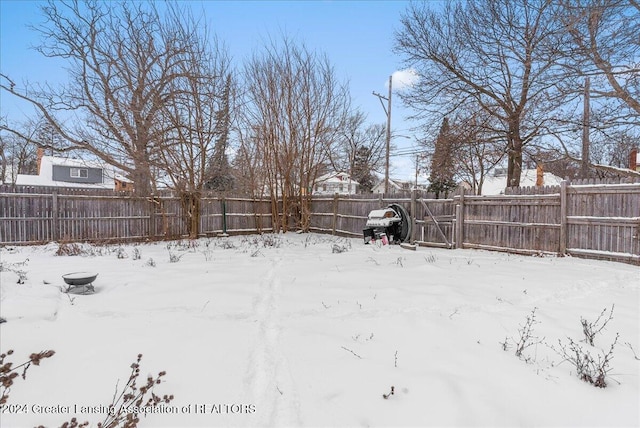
column 269, row 382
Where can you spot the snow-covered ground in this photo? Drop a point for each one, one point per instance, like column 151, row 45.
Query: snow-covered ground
column 312, row 330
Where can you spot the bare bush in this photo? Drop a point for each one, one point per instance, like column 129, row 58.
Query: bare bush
column 142, row 398
column 264, row 241
column 207, row 251
column 256, row 253
column 121, row 253
column 506, row 345
column 74, row 423
column 588, row 368
column 628, row 345
column 526, row 337
column 431, row 258
column 271, row 240
column 228, row 245
column 70, row 249
column 174, row 258
column 341, row 247
column 591, row 329
column 8, row 373
column 16, row 268
column 208, row 254
column 134, row 396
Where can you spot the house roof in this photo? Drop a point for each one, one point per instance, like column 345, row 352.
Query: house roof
column 393, row 184
column 495, row 185
column 336, row 177
column 44, row 178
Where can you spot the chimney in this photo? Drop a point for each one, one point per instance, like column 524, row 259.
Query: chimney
column 539, row 175
column 633, row 159
column 39, row 154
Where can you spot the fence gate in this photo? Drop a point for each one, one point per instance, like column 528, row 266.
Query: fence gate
column 435, row 222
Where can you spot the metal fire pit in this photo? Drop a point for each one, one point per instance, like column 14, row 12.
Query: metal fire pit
column 79, row 282
column 390, row 225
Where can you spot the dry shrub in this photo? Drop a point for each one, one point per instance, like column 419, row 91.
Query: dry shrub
column 9, row 373
column 70, row 249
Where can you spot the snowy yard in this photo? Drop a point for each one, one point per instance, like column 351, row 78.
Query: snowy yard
column 312, row 330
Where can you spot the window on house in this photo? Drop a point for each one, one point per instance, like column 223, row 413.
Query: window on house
column 79, row 172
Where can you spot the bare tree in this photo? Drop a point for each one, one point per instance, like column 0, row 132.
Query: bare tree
column 499, row 56
column 295, row 109
column 18, row 153
column 360, row 150
column 196, row 118
column 477, row 150
column 603, row 47
column 614, row 151
column 247, row 170
column 123, row 59
column 606, row 46
column 17, row 156
column 474, row 148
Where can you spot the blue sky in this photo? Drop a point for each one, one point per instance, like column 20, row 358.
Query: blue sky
column 357, row 36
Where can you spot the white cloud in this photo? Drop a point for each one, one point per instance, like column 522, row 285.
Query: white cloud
column 404, row 79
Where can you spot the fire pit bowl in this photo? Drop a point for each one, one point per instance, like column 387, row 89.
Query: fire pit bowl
column 79, row 282
column 77, row 279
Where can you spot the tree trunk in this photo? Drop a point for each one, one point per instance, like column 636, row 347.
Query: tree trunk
column 141, row 176
column 191, row 212
column 305, row 213
column 514, row 165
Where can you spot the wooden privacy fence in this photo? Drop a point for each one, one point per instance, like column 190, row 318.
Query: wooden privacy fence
column 590, row 220
column 582, row 219
column 31, row 215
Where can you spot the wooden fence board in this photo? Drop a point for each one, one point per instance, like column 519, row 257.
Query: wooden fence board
column 598, row 219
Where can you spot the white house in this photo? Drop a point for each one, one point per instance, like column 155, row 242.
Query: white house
column 395, row 186
column 335, row 182
column 497, row 183
column 56, row 171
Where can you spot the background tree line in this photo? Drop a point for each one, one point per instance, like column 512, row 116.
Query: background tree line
column 509, row 78
column 154, row 93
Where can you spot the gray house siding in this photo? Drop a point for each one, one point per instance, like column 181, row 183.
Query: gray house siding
column 63, row 173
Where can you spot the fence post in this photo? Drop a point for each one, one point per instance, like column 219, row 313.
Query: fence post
column 460, row 220
column 414, row 210
column 55, row 224
column 335, row 214
column 152, row 217
column 223, row 204
column 562, row 248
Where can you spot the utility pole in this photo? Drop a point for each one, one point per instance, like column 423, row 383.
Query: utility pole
column 417, row 156
column 584, row 165
column 387, row 111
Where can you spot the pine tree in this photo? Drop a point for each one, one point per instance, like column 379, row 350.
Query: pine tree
column 442, row 169
column 220, row 177
column 361, row 171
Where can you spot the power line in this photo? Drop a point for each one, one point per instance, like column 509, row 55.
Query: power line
column 408, row 152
